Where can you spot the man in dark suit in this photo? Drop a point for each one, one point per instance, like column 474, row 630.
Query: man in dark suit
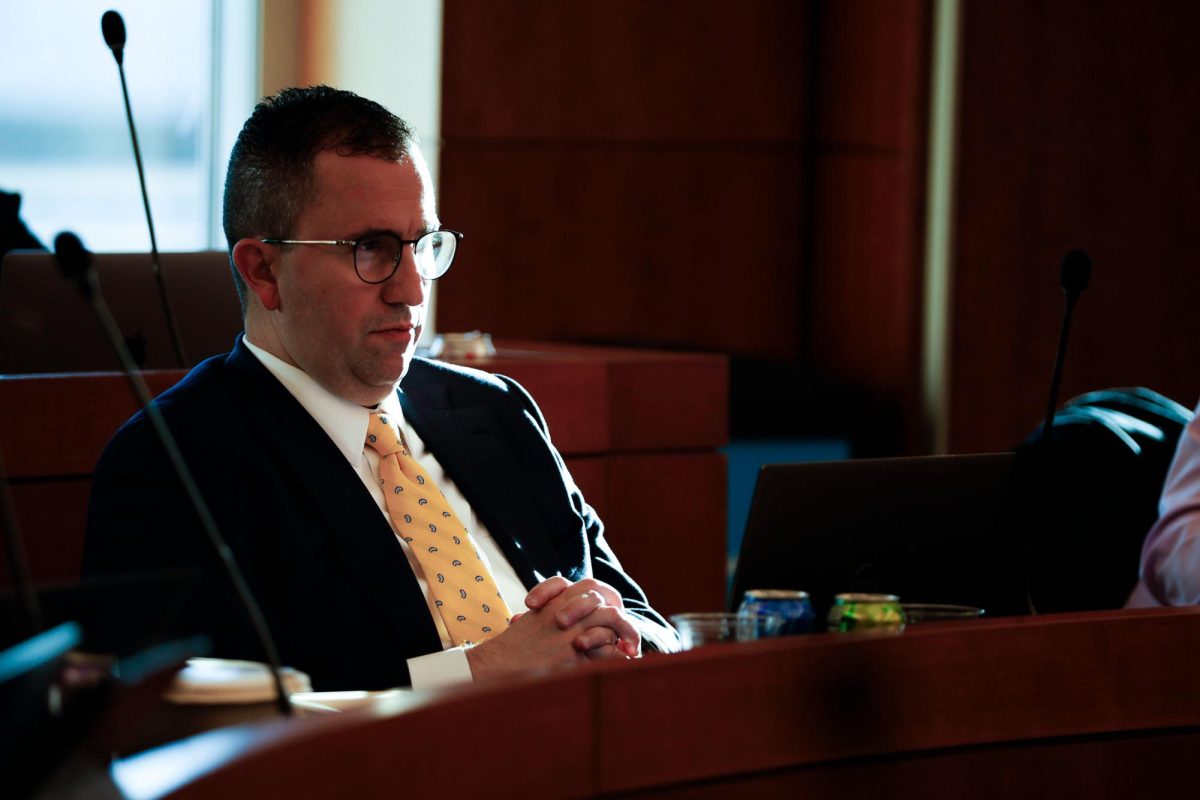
column 331, row 222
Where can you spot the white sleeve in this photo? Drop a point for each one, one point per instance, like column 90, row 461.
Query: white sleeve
column 440, row 669
column 1171, row 553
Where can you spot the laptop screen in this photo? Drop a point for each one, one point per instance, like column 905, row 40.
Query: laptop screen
column 937, row 529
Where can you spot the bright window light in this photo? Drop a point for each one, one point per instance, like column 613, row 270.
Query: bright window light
column 191, row 66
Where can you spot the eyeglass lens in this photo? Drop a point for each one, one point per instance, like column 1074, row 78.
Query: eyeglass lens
column 377, row 257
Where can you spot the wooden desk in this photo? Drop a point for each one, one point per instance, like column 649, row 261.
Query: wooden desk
column 1094, row 704
column 638, row 429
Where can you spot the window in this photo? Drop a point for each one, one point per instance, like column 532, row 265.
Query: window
column 191, row 66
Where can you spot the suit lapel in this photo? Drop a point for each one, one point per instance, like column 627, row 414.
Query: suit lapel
column 470, row 446
column 359, row 531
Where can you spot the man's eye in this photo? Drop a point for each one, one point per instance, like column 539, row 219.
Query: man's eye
column 372, row 245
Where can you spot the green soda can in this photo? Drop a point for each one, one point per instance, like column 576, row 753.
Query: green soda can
column 866, row 614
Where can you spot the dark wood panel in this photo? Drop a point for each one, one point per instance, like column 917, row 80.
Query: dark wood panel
column 51, row 518
column 664, row 515
column 598, row 399
column 1078, row 129
column 347, row 758
column 872, row 84
column 79, row 412
column 865, row 295
column 626, row 69
column 1016, row 680
column 651, row 174
column 667, row 525
column 691, row 410
column 688, row 248
column 1095, row 767
column 987, row 708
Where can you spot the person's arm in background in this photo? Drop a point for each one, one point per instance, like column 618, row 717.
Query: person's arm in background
column 1170, row 567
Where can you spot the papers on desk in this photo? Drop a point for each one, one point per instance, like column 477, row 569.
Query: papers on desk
column 221, row 681
column 213, row 681
column 337, row 702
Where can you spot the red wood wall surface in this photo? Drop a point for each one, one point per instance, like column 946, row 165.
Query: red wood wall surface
column 627, row 170
column 750, row 180
column 1078, row 128
column 864, row 295
column 738, row 178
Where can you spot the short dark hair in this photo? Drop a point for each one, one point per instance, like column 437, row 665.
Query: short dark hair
column 270, row 174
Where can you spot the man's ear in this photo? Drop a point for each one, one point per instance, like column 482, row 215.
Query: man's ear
column 255, row 262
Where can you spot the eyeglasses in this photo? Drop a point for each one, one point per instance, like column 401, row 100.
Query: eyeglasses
column 377, row 257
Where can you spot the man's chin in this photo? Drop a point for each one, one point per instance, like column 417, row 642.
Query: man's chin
column 392, row 372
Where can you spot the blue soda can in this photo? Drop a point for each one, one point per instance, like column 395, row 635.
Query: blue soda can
column 792, row 605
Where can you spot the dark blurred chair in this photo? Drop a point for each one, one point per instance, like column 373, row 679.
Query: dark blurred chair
column 47, row 327
column 14, row 235
column 1096, row 490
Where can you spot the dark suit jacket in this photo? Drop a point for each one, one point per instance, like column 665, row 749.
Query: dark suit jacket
column 334, row 584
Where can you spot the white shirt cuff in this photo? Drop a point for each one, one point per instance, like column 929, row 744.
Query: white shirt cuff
column 438, row 670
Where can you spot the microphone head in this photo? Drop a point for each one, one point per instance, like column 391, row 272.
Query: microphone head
column 73, row 259
column 113, row 28
column 1076, row 272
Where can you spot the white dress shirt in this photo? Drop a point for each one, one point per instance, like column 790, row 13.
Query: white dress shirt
column 346, row 425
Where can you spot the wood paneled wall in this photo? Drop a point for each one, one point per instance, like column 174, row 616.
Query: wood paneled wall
column 1078, row 128
column 740, row 178
column 864, row 296
column 625, row 171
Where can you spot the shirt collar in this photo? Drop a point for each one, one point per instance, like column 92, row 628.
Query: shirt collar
column 343, row 421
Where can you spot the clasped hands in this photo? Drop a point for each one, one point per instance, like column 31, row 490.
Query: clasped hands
column 566, row 622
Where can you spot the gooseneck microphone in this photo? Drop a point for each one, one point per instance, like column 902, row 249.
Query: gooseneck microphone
column 1075, row 274
column 75, row 262
column 1074, row 277
column 113, row 28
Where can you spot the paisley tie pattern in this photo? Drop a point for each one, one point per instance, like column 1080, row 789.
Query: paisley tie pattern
column 463, row 588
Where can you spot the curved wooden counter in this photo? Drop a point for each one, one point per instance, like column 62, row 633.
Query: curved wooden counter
column 1082, row 705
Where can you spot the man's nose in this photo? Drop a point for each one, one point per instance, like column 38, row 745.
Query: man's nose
column 406, row 285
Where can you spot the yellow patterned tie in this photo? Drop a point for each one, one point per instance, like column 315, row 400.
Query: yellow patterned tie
column 463, row 587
